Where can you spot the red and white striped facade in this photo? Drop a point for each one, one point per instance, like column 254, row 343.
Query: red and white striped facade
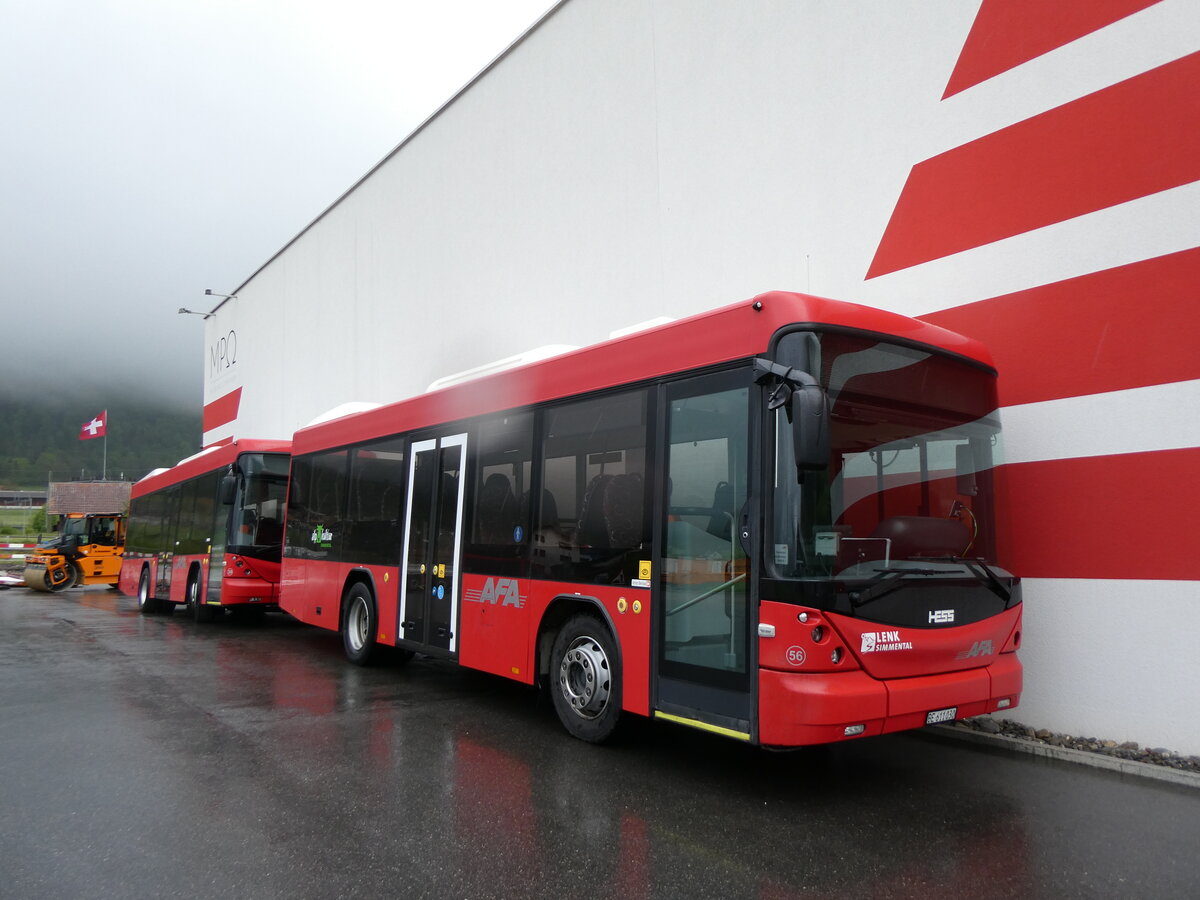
column 1026, row 172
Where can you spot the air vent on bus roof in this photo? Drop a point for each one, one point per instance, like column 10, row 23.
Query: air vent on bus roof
column 640, row 326
column 510, row 362
column 203, row 452
column 342, row 409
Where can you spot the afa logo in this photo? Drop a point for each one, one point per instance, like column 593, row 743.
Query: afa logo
column 979, row 648
column 502, row 591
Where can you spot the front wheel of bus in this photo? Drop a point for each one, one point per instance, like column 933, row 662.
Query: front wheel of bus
column 200, row 611
column 585, row 679
column 359, row 624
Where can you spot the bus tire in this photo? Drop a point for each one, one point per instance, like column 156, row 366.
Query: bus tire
column 360, row 621
column 147, row 605
column 585, row 680
column 201, row 612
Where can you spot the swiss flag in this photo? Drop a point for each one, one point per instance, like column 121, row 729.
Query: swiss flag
column 95, row 428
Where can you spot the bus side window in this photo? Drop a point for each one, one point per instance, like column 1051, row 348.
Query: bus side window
column 371, row 531
column 595, row 450
column 500, row 525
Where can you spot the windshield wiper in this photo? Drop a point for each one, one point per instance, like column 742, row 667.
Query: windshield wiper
column 887, row 580
column 983, row 574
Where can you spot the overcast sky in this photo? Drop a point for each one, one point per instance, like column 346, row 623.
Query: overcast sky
column 155, row 148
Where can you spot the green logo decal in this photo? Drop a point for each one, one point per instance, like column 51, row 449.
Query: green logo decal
column 322, row 537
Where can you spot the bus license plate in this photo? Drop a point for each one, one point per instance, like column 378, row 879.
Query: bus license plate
column 941, row 715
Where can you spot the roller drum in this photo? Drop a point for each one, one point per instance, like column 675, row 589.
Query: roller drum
column 35, row 577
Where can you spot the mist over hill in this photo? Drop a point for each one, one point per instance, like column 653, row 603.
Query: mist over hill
column 40, row 426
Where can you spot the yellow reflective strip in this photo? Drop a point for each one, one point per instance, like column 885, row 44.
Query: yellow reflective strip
column 704, row 726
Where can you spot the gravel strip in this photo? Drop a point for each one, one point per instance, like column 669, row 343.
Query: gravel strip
column 1128, row 757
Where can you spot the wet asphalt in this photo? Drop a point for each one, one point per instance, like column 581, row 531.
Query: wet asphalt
column 146, row 756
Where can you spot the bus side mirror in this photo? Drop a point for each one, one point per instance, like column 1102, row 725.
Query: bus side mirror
column 810, row 428
column 964, row 470
column 228, row 490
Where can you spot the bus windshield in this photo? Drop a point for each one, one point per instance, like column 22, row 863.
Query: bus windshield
column 914, row 442
column 256, row 524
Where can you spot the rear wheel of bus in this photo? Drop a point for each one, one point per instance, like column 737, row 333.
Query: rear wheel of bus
column 585, row 680
column 360, row 621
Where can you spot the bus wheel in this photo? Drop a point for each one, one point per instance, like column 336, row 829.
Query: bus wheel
column 359, row 624
column 146, row 603
column 585, row 681
column 200, row 612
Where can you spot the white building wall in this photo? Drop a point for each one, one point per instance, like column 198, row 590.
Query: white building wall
column 636, row 158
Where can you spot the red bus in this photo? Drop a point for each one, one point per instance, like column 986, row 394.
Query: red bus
column 774, row 521
column 208, row 532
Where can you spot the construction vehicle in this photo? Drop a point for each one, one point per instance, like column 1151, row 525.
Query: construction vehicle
column 86, row 550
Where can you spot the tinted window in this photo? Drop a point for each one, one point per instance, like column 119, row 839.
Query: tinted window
column 500, row 520
column 145, row 524
column 204, row 527
column 591, row 525
column 316, row 505
column 375, row 503
column 256, row 520
column 185, row 541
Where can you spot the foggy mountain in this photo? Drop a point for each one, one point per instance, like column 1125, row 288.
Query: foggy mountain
column 40, row 427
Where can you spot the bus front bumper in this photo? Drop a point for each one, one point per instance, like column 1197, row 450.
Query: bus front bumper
column 797, row 709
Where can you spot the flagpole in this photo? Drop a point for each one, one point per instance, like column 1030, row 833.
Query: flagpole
column 104, row 464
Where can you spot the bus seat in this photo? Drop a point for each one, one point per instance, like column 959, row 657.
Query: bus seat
column 593, row 528
column 496, row 513
column 623, row 503
column 547, row 516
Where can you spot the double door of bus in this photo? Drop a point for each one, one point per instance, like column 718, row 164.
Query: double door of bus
column 703, row 660
column 432, row 551
column 168, row 542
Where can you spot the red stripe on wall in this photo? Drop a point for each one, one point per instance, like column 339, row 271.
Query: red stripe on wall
column 1121, row 328
column 223, row 410
column 1007, row 33
column 1124, row 516
column 1130, row 140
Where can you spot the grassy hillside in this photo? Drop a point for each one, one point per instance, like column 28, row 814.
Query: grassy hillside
column 39, row 436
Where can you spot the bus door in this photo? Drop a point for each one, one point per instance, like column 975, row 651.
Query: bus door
column 218, row 531
column 169, row 544
column 701, row 595
column 432, row 549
